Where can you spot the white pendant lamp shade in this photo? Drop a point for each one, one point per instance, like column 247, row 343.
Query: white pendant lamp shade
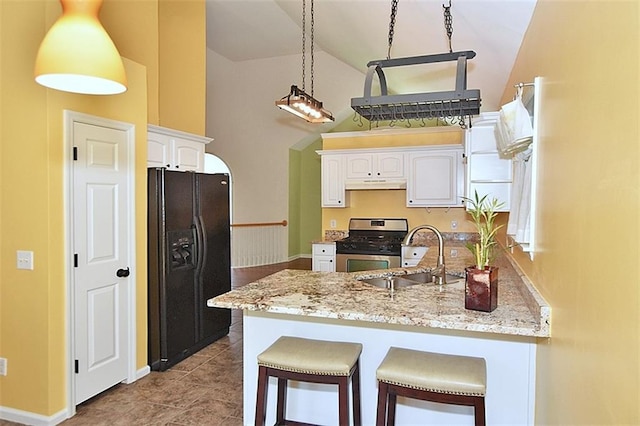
column 77, row 55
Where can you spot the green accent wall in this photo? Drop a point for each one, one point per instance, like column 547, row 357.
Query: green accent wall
column 305, row 212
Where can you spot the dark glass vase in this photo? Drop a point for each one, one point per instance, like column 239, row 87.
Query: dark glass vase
column 481, row 288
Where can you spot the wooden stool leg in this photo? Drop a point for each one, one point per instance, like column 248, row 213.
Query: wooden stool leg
column 343, row 401
column 261, row 398
column 282, row 400
column 391, row 408
column 381, row 414
column 355, row 389
column 479, row 412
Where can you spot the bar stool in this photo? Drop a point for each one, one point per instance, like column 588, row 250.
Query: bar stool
column 448, row 379
column 314, row 361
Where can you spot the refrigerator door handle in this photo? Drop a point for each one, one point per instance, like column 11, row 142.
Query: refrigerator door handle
column 201, row 246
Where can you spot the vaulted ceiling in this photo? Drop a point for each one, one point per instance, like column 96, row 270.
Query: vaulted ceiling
column 356, row 32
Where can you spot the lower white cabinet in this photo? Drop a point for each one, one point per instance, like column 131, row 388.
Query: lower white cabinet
column 435, row 177
column 411, row 255
column 323, row 257
column 174, row 149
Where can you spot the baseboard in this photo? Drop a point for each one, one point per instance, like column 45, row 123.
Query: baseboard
column 299, row 256
column 28, row 418
column 143, row 372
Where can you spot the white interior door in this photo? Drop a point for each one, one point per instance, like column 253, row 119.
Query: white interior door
column 101, row 275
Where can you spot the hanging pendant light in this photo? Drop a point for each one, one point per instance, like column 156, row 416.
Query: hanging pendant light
column 77, row 55
column 298, row 102
column 452, row 106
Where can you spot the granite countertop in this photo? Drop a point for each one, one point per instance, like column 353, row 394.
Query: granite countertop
column 521, row 310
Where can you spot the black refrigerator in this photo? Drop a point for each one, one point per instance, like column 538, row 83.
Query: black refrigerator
column 189, row 263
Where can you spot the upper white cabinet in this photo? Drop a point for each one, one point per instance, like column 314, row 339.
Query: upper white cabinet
column 174, row 149
column 486, row 171
column 435, row 176
column 333, row 181
column 375, row 165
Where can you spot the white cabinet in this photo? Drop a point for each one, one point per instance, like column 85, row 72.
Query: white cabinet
column 323, row 257
column 174, row 149
column 411, row 255
column 435, row 177
column 375, row 165
column 333, row 187
column 486, row 171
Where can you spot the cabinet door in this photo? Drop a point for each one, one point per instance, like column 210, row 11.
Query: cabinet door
column 435, row 178
column 375, row 165
column 333, row 189
column 158, row 151
column 390, row 165
column 359, row 166
column 188, row 155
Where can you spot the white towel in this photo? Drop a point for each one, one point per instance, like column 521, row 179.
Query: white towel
column 514, row 131
column 518, row 225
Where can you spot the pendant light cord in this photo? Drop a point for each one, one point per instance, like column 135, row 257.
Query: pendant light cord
column 304, row 43
column 311, row 68
column 304, row 40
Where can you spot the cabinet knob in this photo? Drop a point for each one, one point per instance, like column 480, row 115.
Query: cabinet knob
column 168, row 165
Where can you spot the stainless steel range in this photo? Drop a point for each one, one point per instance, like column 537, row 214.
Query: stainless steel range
column 371, row 244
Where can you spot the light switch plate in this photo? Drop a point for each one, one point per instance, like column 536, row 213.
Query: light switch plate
column 25, row 260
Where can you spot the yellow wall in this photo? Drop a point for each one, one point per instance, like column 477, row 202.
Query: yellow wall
column 33, row 303
column 169, row 37
column 587, row 262
column 182, row 54
column 391, row 203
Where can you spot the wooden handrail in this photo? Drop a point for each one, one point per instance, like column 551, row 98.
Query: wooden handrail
column 246, row 225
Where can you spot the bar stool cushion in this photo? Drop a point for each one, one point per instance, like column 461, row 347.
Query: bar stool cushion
column 309, row 356
column 434, row 372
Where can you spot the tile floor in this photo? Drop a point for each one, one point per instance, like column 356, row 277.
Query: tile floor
column 204, row 389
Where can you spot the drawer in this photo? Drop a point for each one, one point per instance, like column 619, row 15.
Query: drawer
column 324, row 249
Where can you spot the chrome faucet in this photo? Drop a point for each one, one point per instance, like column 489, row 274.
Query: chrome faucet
column 439, row 274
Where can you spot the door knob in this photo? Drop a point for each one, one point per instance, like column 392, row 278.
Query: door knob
column 122, row 272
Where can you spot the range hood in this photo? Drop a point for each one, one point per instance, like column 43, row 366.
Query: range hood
column 370, row 184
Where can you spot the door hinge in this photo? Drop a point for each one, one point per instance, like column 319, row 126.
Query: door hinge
column 75, row 260
column 75, row 153
column 77, row 366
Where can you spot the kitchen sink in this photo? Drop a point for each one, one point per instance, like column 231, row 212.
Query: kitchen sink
column 400, row 281
column 426, row 277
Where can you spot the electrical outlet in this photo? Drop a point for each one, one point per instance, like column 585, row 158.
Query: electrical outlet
column 24, row 259
column 454, row 224
column 454, row 253
column 3, row 366
column 332, row 223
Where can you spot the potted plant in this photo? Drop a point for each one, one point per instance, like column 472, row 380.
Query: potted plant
column 481, row 283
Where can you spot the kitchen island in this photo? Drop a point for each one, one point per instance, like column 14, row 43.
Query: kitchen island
column 337, row 306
